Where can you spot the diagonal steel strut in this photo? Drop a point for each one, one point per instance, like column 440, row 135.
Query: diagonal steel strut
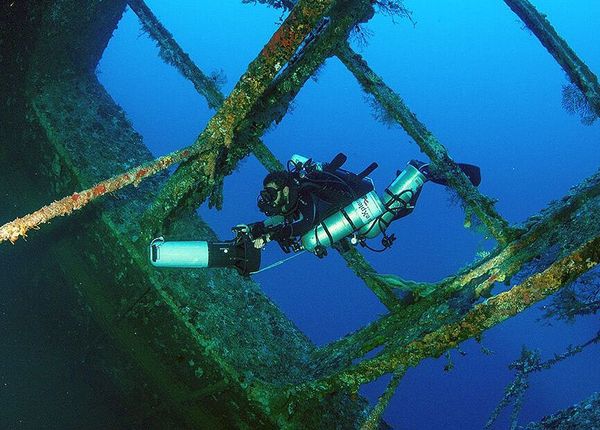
column 480, row 205
column 196, row 178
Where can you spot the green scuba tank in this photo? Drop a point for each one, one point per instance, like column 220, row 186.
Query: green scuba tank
column 367, row 216
column 362, row 211
column 398, row 196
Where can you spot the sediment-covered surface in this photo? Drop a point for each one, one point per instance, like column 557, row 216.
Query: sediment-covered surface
column 582, row 416
column 208, row 345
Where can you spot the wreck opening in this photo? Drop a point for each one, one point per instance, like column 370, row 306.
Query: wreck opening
column 223, row 354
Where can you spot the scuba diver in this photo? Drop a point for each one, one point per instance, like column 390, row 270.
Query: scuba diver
column 310, row 207
column 309, row 201
column 296, row 200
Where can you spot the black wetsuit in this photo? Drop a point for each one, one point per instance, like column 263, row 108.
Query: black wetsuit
column 319, row 196
column 309, row 211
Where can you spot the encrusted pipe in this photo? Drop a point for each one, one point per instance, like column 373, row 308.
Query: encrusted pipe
column 20, row 226
column 579, row 73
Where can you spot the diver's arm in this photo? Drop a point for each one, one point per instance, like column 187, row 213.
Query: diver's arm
column 308, row 215
column 261, row 228
column 260, row 231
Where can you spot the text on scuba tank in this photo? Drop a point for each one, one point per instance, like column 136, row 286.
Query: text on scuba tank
column 363, row 209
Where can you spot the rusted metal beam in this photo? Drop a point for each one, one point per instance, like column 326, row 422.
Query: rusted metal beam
column 579, row 73
column 481, row 318
column 481, row 206
column 198, row 178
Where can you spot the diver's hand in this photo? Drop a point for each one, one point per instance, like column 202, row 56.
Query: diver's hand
column 261, row 241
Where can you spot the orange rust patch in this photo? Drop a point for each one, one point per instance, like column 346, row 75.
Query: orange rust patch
column 282, row 39
column 99, row 189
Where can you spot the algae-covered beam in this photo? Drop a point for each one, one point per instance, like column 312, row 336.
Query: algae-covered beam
column 20, row 226
column 529, row 362
column 171, row 52
column 481, row 206
column 196, row 179
column 363, row 269
column 562, row 223
column 373, row 420
column 481, row 318
column 576, row 69
column 584, row 415
column 316, row 49
column 174, row 54
column 320, row 46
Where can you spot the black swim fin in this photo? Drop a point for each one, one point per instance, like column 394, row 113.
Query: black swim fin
column 473, row 173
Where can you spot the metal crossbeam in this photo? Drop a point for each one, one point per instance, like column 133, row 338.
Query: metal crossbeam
column 171, row 50
column 579, row 73
column 481, row 206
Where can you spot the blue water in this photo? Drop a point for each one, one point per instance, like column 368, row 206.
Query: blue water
column 491, row 94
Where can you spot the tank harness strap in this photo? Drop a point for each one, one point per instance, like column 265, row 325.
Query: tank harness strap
column 396, row 198
column 327, row 232
column 384, row 222
column 348, row 219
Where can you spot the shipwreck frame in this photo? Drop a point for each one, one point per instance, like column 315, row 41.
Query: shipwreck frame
column 186, row 341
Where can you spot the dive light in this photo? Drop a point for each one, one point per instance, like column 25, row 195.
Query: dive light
column 238, row 253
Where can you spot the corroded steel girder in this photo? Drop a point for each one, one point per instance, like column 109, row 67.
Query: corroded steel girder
column 481, row 206
column 196, row 178
column 576, row 69
column 481, row 318
column 564, row 225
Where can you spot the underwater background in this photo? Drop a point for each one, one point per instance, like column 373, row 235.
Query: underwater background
column 479, row 81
